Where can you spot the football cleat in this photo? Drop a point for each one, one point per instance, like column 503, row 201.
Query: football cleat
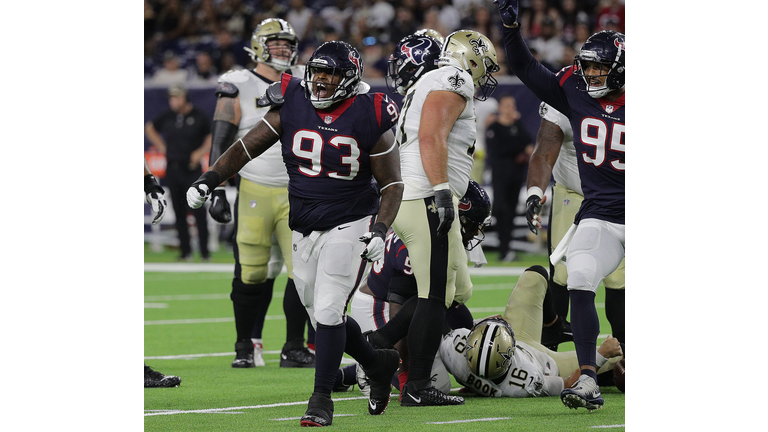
column 153, row 379
column 423, row 394
column 243, row 355
column 584, row 393
column 380, row 377
column 319, row 411
column 258, row 355
column 296, row 355
column 556, row 334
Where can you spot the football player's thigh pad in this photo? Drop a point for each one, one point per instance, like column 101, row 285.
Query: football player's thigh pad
column 593, row 253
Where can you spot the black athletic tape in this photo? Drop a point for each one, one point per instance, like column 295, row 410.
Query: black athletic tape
column 226, row 89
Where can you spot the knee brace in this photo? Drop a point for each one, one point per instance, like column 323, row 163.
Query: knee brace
column 249, row 295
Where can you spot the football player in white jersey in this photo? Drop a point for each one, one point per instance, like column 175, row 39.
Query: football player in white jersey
column 555, row 155
column 503, row 357
column 436, row 132
column 261, row 212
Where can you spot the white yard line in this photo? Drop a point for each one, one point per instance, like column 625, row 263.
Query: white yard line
column 472, row 420
column 608, row 426
column 230, row 268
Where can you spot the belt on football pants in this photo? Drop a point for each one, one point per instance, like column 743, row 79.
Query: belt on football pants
column 310, row 243
column 559, row 251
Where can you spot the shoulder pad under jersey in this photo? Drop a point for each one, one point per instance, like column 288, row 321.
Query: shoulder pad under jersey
column 272, row 97
column 225, row 89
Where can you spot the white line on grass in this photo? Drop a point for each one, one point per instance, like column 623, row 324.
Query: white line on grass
column 230, row 268
column 299, row 418
column 223, row 410
column 155, row 305
column 344, row 360
column 472, row 420
column 607, row 426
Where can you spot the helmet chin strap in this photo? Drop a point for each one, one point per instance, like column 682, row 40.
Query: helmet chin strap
column 599, row 93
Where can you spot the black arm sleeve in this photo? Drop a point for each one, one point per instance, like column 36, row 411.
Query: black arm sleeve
column 540, row 80
column 222, row 135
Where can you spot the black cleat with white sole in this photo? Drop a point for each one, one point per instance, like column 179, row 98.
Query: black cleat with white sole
column 421, row 393
column 380, row 378
column 319, row 411
column 243, row 355
column 296, row 355
column 154, row 379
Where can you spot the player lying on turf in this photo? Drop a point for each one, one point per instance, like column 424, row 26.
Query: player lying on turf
column 502, row 357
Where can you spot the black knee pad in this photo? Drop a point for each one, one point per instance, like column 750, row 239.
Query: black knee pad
column 249, row 295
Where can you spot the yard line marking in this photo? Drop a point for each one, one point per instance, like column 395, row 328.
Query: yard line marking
column 230, row 268
column 607, row 426
column 299, row 418
column 205, row 320
column 344, row 360
column 155, row 305
column 222, row 410
column 472, row 420
column 220, row 296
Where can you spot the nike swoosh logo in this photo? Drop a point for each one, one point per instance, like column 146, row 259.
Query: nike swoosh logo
column 214, row 200
column 417, row 400
column 284, row 357
column 372, row 404
column 341, row 228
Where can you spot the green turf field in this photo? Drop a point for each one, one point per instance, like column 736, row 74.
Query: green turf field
column 189, row 332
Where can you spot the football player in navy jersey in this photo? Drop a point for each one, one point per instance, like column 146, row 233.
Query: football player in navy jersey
column 335, row 139
column 591, row 94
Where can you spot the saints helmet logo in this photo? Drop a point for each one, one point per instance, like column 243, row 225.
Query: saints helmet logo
column 456, row 81
column 507, row 356
column 479, row 46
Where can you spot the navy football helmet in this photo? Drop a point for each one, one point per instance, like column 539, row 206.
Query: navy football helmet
column 414, row 56
column 474, row 215
column 606, row 48
column 344, row 64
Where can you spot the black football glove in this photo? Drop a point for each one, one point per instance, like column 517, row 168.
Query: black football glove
column 219, row 209
column 444, row 204
column 532, row 209
column 507, row 11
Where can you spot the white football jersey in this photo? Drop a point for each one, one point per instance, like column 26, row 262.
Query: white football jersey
column 460, row 140
column 268, row 169
column 532, row 373
column 566, row 170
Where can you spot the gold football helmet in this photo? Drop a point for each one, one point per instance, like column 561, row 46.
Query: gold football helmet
column 490, row 347
column 431, row 32
column 268, row 30
column 475, row 53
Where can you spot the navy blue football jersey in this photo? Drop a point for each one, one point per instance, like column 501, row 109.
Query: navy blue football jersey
column 395, row 263
column 326, row 155
column 598, row 130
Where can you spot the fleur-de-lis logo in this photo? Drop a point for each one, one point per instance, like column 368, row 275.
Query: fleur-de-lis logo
column 478, row 45
column 432, row 207
column 456, row 81
column 507, row 356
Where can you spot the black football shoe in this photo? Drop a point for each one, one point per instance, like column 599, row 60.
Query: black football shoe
column 243, row 355
column 556, row 334
column 296, row 355
column 319, row 411
column 153, row 378
column 380, row 378
column 421, row 393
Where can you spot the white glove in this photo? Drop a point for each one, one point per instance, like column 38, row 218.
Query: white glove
column 157, row 201
column 197, row 194
column 375, row 249
column 374, row 240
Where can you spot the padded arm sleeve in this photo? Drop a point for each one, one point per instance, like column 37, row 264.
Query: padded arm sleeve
column 222, row 135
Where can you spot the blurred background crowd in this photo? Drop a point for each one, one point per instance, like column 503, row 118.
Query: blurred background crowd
column 194, row 41
column 190, row 43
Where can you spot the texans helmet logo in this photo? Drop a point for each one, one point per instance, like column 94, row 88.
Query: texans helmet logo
column 465, row 205
column 415, row 52
column 354, row 59
column 619, row 44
